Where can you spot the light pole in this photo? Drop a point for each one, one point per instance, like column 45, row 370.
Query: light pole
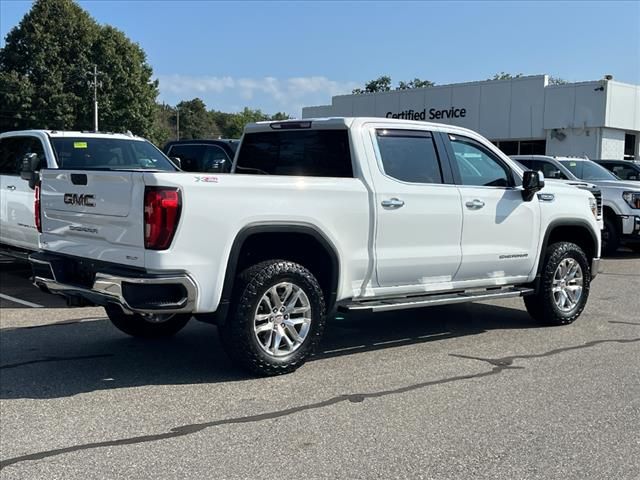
column 95, row 85
column 177, row 123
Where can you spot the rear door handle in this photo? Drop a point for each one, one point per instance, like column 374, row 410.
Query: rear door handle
column 475, row 204
column 11, row 187
column 392, row 203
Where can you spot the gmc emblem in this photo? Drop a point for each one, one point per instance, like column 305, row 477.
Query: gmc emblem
column 84, row 200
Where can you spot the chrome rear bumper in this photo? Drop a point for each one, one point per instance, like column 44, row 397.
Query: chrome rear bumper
column 140, row 293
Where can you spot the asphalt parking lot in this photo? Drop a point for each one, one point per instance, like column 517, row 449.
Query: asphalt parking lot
column 465, row 391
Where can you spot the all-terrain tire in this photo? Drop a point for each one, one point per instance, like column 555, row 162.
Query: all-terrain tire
column 238, row 336
column 543, row 305
column 138, row 325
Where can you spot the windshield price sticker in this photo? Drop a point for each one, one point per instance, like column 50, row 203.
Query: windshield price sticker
column 79, row 144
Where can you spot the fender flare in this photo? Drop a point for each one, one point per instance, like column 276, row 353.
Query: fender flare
column 569, row 222
column 275, row 227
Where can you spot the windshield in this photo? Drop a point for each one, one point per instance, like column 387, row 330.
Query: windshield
column 86, row 153
column 586, row 170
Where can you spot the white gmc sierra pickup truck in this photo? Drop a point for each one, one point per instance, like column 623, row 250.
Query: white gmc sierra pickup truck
column 363, row 214
column 56, row 149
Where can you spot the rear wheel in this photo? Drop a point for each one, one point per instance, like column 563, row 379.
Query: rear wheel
column 564, row 285
column 610, row 237
column 277, row 319
column 147, row 326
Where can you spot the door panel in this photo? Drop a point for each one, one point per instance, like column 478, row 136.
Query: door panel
column 419, row 219
column 500, row 231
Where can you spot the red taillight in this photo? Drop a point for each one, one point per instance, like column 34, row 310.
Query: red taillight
column 36, row 209
column 161, row 214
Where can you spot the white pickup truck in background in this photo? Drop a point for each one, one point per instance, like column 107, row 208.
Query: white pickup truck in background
column 54, row 149
column 364, row 214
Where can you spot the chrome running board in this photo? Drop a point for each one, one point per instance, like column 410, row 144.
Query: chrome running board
column 401, row 303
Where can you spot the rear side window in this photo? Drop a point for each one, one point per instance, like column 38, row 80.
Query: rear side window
column 312, row 153
column 409, row 155
column 201, row 158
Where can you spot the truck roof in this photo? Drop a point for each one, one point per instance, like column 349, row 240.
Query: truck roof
column 74, row 134
column 344, row 122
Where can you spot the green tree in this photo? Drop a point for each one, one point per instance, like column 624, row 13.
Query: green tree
column 380, row 84
column 383, row 84
column 280, row 116
column 127, row 97
column 195, row 121
column 237, row 122
column 557, row 80
column 415, row 83
column 162, row 129
column 45, row 63
column 505, row 76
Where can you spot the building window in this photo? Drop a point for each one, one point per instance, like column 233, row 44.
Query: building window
column 629, row 146
column 533, row 147
column 522, row 147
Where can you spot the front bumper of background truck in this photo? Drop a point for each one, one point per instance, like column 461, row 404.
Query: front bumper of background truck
column 88, row 282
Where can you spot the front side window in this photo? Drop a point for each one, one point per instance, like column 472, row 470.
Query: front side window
column 586, row 170
column 477, row 165
column 549, row 170
column 87, row 153
column 409, row 155
column 312, row 153
column 625, row 172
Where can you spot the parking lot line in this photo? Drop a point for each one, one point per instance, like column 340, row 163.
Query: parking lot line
column 21, row 302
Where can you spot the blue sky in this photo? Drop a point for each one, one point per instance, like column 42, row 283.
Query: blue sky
column 280, row 56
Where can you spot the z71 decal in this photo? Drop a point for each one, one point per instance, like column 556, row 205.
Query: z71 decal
column 207, row 179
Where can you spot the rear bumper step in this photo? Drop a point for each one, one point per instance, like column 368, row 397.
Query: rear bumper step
column 434, row 299
column 138, row 293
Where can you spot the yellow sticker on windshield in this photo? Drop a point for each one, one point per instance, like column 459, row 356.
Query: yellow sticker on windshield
column 79, row 144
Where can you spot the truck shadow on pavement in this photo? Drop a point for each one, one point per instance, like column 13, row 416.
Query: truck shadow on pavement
column 68, row 358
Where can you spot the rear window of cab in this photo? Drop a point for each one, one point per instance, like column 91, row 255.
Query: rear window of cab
column 312, row 153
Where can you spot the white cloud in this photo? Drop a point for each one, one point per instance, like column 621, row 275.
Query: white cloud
column 267, row 93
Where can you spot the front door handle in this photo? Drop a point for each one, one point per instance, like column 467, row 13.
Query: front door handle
column 11, row 187
column 475, row 204
column 392, row 203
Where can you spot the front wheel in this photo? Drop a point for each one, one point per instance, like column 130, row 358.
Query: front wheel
column 564, row 285
column 147, row 326
column 277, row 318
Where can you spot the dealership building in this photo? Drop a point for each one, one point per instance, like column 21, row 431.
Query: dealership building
column 527, row 115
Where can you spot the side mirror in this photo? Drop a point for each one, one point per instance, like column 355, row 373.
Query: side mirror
column 30, row 169
column 176, row 161
column 532, row 182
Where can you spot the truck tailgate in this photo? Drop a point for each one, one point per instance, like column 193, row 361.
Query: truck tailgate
column 94, row 214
